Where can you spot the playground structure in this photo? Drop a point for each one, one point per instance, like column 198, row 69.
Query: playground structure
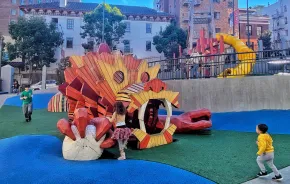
column 209, row 47
column 95, row 82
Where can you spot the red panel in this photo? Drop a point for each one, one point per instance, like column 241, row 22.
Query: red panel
column 190, row 121
column 104, row 48
column 168, row 136
column 155, row 85
column 143, row 144
column 102, row 125
column 81, row 120
column 65, row 127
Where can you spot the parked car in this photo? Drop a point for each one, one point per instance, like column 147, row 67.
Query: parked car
column 49, row 84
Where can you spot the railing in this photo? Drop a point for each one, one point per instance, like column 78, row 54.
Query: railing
column 225, row 65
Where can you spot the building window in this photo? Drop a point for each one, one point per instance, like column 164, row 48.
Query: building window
column 285, row 8
column 216, row 1
column 248, row 30
column 39, row 1
column 148, row 28
column 217, row 15
column 13, row 1
column 286, row 20
column 54, row 20
column 174, row 3
column 259, row 31
column 70, row 24
column 69, row 43
column 127, row 47
column 22, row 2
column 217, row 30
column 230, row 4
column 30, row 1
column 286, row 32
column 128, row 27
column 148, row 45
column 21, row 13
column 13, row 12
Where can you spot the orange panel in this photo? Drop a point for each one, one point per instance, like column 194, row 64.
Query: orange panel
column 143, row 144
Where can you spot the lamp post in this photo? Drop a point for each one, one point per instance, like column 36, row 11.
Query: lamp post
column 233, row 17
column 248, row 23
column 103, row 28
column 1, row 42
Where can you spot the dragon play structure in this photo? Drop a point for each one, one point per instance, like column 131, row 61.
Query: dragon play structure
column 214, row 46
column 94, row 82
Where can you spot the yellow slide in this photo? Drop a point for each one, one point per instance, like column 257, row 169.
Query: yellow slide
column 247, row 60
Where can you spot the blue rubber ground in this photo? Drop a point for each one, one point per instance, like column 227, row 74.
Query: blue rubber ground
column 278, row 121
column 38, row 159
column 40, row 101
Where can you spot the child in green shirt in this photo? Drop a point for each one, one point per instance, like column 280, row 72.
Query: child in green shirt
column 26, row 97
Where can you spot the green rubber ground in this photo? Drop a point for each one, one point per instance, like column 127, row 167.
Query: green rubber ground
column 225, row 157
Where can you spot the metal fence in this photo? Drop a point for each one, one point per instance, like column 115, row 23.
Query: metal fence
column 225, row 65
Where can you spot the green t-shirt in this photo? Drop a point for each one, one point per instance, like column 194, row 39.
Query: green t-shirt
column 27, row 94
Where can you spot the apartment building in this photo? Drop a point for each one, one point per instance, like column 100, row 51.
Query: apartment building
column 143, row 24
column 279, row 13
column 224, row 14
column 9, row 12
column 257, row 25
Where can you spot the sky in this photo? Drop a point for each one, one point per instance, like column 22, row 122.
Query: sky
column 149, row 3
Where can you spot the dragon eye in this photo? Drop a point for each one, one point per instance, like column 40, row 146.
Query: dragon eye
column 119, row 77
column 145, row 77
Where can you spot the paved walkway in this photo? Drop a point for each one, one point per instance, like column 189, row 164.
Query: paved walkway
column 5, row 96
column 268, row 180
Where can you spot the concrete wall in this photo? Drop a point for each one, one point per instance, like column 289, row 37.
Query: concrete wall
column 228, row 95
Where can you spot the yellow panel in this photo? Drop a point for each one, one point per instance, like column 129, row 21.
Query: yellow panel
column 78, row 61
column 144, row 98
column 140, row 135
column 149, row 145
column 143, row 67
column 171, row 129
column 123, row 99
column 163, row 139
column 140, row 100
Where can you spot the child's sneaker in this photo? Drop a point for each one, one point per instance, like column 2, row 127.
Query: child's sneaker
column 262, row 174
column 279, row 177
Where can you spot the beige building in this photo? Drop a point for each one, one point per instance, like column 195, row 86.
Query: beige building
column 9, row 12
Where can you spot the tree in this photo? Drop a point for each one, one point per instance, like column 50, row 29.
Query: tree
column 168, row 41
column 2, row 51
column 35, row 42
column 114, row 29
column 266, row 39
column 63, row 64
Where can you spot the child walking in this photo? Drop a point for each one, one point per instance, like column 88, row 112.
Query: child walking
column 266, row 152
column 121, row 133
column 26, row 97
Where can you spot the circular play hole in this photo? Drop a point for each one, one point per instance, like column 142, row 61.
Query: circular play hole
column 119, row 77
column 145, row 77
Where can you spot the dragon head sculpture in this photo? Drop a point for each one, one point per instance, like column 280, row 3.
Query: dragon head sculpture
column 94, row 82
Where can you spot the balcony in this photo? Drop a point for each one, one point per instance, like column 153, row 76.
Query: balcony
column 278, row 15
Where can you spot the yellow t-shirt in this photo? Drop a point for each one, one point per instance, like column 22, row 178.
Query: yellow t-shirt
column 265, row 144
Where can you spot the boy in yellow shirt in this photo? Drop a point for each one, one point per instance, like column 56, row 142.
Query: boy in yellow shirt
column 266, row 152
